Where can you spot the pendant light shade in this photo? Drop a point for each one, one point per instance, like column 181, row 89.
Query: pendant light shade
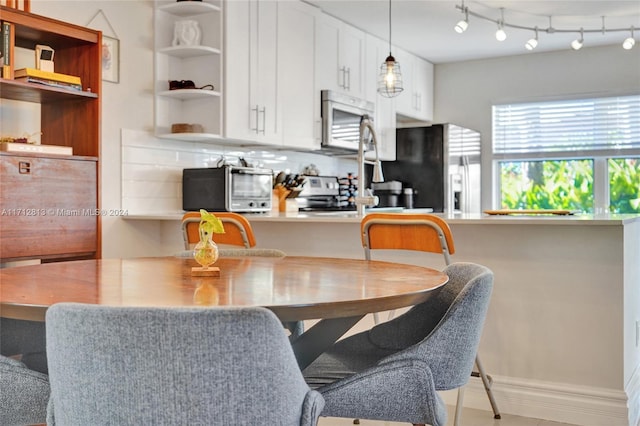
column 390, row 77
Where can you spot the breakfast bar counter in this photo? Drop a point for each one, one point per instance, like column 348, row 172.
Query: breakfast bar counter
column 562, row 335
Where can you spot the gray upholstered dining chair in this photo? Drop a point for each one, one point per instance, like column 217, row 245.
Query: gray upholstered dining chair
column 429, row 234
column 24, row 394
column 394, row 371
column 213, row 366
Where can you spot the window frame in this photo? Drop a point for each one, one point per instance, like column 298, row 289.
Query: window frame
column 599, row 157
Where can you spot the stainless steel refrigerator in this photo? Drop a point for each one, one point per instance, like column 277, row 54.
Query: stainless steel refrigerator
column 442, row 164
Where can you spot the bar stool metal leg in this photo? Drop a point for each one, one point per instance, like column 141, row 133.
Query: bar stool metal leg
column 459, row 404
column 487, row 382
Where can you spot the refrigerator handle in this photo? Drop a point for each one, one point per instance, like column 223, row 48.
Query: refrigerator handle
column 468, row 195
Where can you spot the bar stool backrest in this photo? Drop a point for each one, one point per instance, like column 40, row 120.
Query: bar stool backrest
column 238, row 231
column 17, row 4
column 399, row 231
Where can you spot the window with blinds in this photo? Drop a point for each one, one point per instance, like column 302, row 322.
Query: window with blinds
column 599, row 124
column 577, row 154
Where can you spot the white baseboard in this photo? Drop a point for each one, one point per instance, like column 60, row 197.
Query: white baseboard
column 578, row 405
column 632, row 389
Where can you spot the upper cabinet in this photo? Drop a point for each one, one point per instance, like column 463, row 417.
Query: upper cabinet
column 188, row 69
column 251, row 65
column 385, row 115
column 340, row 56
column 269, row 68
column 415, row 103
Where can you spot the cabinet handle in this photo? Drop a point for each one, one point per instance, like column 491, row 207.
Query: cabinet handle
column 256, row 109
column 342, row 72
column 348, row 70
column 264, row 119
column 24, row 167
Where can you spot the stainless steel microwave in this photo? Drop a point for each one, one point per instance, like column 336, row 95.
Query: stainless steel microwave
column 341, row 116
column 227, row 188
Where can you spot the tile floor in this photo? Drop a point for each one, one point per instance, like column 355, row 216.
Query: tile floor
column 470, row 417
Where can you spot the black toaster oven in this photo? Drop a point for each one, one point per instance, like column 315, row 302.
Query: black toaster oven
column 227, row 188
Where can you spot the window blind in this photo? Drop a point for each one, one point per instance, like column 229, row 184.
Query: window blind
column 611, row 123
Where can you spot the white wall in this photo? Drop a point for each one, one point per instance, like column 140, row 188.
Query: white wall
column 465, row 91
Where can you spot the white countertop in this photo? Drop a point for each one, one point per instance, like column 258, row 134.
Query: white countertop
column 458, row 218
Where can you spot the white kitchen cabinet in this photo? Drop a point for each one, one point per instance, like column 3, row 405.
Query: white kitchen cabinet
column 340, row 52
column 385, row 113
column 415, row 103
column 199, row 62
column 252, row 111
column 296, row 35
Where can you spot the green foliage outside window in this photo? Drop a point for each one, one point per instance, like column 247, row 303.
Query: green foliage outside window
column 549, row 184
column 568, row 185
column 624, row 181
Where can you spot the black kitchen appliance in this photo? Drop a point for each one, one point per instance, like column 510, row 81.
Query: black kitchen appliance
column 227, row 188
column 441, row 163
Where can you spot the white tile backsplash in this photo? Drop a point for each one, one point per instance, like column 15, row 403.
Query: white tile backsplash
column 152, row 167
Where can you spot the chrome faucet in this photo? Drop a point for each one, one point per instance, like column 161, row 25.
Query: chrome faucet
column 368, row 200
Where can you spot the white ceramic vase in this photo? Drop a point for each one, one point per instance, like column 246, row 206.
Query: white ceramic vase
column 186, row 33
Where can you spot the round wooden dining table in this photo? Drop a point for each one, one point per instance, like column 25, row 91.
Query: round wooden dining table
column 337, row 291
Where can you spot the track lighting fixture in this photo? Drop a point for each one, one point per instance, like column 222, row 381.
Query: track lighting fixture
column 532, row 43
column 577, row 43
column 629, row 42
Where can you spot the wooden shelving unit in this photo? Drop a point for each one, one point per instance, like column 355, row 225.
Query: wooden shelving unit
column 50, row 204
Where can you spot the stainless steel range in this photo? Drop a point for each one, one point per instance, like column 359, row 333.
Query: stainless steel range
column 322, row 193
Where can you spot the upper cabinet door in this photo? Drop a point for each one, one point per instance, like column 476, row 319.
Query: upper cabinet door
column 251, row 72
column 296, row 35
column 340, row 52
column 423, row 87
column 352, row 50
column 415, row 103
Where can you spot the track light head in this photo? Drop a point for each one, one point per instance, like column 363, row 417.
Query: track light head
column 629, row 42
column 533, row 42
column 463, row 24
column 577, row 43
column 501, row 35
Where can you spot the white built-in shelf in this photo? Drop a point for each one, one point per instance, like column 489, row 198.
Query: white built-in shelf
column 189, row 8
column 189, row 93
column 189, row 51
column 190, row 137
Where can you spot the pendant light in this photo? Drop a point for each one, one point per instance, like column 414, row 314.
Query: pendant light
column 390, row 78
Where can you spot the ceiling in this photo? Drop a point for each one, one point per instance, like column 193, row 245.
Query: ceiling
column 425, row 27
